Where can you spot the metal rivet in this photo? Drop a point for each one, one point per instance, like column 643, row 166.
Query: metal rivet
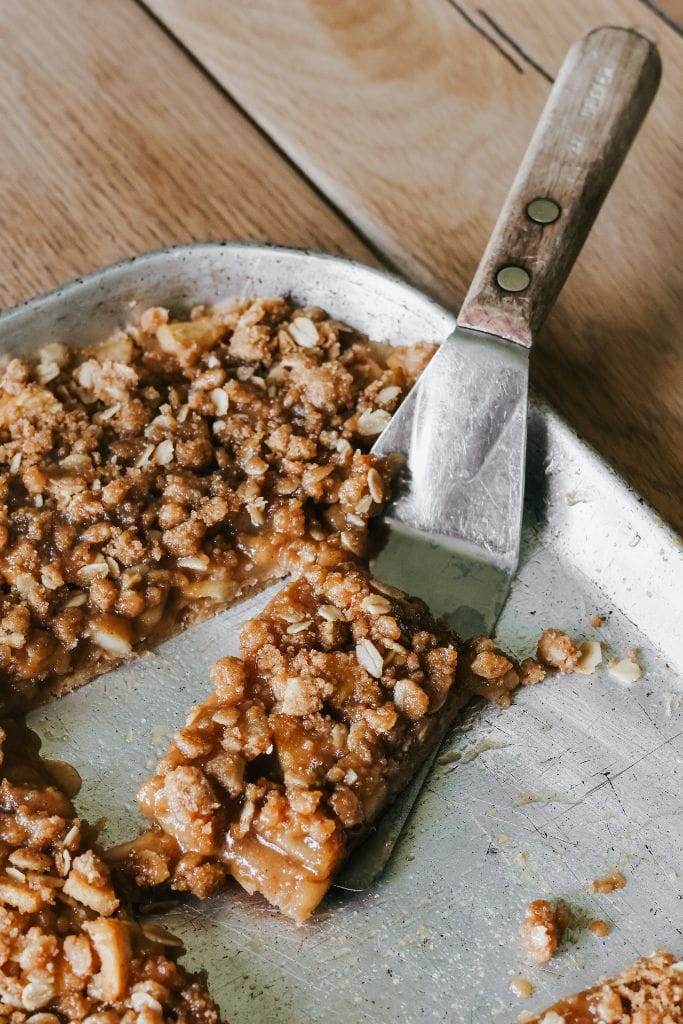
column 513, row 279
column 543, row 211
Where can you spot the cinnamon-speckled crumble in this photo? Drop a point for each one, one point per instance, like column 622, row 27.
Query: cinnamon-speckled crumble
column 158, row 475
column 68, row 952
column 343, row 686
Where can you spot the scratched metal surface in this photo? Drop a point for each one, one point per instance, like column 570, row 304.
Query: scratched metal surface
column 581, row 775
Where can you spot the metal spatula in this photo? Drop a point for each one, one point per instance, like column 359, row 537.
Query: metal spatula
column 454, row 528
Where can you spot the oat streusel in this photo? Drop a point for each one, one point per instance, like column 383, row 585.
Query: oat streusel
column 343, row 686
column 650, row 991
column 155, row 477
column 487, row 671
column 67, row 950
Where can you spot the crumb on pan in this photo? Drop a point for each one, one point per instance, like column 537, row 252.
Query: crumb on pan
column 590, row 657
column 489, row 672
column 556, row 649
column 523, row 988
column 542, row 929
column 608, row 883
column 599, row 927
column 626, row 670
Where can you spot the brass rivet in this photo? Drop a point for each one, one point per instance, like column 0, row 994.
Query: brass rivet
column 513, row 279
column 543, row 211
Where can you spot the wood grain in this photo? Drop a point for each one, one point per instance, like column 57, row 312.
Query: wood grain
column 596, row 106
column 412, row 116
column 113, row 142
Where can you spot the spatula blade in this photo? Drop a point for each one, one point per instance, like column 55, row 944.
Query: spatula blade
column 454, row 527
column 463, row 432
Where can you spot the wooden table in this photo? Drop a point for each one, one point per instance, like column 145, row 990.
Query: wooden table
column 387, row 130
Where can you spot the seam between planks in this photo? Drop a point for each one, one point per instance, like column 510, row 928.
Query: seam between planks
column 467, row 17
column 663, row 15
column 372, row 246
column 515, row 46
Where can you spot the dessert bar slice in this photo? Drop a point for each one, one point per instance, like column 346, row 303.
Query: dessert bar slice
column 342, row 688
column 68, row 952
column 156, row 477
column 650, row 991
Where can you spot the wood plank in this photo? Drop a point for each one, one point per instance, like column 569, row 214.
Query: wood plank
column 412, row 115
column 114, row 142
column 626, row 367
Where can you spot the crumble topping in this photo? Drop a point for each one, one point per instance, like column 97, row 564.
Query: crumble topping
column 154, row 477
column 489, row 672
column 556, row 649
column 542, row 929
column 68, row 952
column 342, row 687
column 650, row 991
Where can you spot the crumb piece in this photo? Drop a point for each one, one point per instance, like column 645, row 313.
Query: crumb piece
column 521, row 858
column 556, row 649
column 599, row 927
column 487, row 671
column 523, row 988
column 608, row 883
column 542, row 929
column 504, row 839
column 591, row 657
column 531, row 672
column 598, row 621
column 626, row 670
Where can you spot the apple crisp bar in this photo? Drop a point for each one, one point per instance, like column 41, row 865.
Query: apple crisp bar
column 67, row 950
column 342, row 687
column 155, row 477
column 650, row 991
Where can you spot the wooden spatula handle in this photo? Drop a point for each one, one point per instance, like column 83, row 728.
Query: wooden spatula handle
column 593, row 113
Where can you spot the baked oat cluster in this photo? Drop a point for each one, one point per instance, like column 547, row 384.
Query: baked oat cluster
column 342, row 687
column 650, row 991
column 68, row 952
column 155, row 477
column 487, row 671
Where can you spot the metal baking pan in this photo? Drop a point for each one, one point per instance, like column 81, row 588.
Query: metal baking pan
column 578, row 777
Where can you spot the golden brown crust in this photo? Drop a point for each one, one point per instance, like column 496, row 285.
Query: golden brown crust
column 67, row 949
column 166, row 470
column 343, row 686
column 650, row 991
